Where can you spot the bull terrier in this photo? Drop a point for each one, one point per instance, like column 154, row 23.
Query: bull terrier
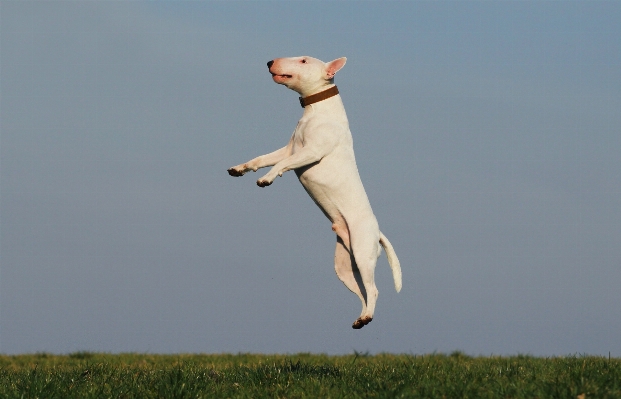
column 321, row 153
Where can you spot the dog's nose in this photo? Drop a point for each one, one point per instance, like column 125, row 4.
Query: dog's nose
column 270, row 63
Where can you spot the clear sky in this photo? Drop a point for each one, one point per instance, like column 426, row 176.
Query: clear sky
column 487, row 135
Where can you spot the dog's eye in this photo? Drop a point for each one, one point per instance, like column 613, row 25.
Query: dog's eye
column 303, row 61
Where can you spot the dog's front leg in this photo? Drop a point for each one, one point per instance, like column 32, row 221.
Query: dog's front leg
column 260, row 162
column 303, row 157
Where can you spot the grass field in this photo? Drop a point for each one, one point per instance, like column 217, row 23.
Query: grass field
column 93, row 375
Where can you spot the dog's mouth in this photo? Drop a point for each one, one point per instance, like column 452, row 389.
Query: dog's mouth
column 281, row 76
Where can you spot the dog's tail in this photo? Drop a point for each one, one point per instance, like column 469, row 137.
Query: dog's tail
column 393, row 261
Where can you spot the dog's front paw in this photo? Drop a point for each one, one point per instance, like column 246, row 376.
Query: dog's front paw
column 264, row 182
column 267, row 179
column 238, row 170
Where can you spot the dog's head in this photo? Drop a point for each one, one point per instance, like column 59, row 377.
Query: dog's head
column 305, row 75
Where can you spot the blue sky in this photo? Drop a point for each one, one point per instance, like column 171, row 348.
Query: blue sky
column 486, row 135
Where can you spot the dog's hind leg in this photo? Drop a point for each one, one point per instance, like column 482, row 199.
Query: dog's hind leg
column 366, row 249
column 348, row 273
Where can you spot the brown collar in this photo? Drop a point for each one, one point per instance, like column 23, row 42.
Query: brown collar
column 322, row 95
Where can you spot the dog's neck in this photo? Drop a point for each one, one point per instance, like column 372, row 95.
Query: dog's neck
column 322, row 95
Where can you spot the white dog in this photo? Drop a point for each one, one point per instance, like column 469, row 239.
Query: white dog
column 321, row 153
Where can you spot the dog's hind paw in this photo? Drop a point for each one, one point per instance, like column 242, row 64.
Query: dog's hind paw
column 361, row 322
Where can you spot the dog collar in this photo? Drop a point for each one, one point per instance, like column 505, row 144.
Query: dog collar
column 322, row 95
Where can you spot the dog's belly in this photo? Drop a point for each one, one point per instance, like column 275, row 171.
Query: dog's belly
column 337, row 189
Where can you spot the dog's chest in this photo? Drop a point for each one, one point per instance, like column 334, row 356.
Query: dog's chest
column 300, row 133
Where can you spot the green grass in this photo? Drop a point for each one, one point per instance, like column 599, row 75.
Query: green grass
column 93, row 375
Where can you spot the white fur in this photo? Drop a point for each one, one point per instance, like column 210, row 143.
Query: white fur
column 321, row 153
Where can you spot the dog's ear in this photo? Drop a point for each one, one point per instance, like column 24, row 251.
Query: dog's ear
column 333, row 67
